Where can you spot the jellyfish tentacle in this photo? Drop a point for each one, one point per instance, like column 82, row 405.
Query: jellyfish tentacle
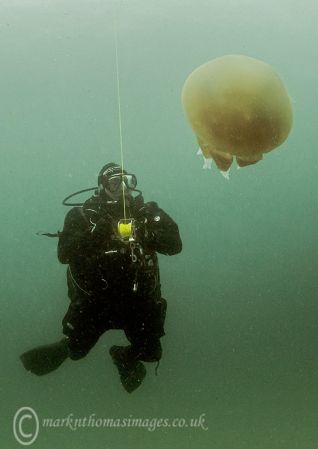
column 225, row 174
column 207, row 164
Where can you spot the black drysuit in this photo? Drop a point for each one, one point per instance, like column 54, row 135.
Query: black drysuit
column 115, row 284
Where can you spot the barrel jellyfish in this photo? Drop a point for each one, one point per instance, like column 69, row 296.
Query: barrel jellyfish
column 238, row 107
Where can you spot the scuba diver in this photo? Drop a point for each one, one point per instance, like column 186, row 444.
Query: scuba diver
column 112, row 277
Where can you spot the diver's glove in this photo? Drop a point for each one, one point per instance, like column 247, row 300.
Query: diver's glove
column 149, row 215
column 161, row 233
column 148, row 210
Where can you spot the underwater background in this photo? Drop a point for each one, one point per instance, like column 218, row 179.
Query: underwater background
column 241, row 344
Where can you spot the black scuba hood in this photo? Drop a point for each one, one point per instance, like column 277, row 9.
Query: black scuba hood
column 108, row 170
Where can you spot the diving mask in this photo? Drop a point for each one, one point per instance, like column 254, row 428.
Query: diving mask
column 115, row 181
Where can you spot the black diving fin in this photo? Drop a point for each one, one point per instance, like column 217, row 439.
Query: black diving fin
column 44, row 359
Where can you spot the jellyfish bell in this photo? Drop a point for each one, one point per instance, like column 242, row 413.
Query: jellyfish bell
column 238, row 107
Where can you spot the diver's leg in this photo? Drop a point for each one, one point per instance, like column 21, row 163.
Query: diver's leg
column 146, row 328
column 80, row 332
column 82, row 326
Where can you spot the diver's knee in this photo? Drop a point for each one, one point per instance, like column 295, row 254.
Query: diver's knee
column 151, row 351
column 77, row 351
column 77, row 354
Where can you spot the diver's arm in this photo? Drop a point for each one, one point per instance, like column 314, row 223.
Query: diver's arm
column 161, row 231
column 81, row 238
column 73, row 239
